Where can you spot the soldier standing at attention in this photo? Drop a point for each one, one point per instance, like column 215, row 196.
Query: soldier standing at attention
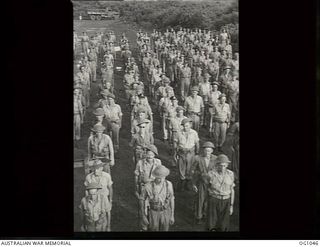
column 204, row 92
column 93, row 210
column 158, row 197
column 92, row 57
column 203, row 164
column 186, row 145
column 85, row 43
column 140, row 140
column 114, row 120
column 143, row 175
column 77, row 113
column 221, row 117
column 221, row 195
column 175, row 123
column 185, row 75
column 195, row 107
column 100, row 147
column 104, row 180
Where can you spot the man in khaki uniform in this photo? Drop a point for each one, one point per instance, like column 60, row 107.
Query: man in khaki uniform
column 100, row 147
column 195, row 107
column 93, row 210
column 221, row 118
column 186, row 145
column 77, row 113
column 175, row 124
column 203, row 164
column 185, row 80
column 114, row 120
column 143, row 175
column 92, row 57
column 220, row 195
column 157, row 201
column 141, row 116
column 140, row 140
column 105, row 181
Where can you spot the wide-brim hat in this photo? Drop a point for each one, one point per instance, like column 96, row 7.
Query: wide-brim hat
column 222, row 158
column 99, row 112
column 180, row 108
column 95, row 164
column 222, row 95
column 215, row 83
column 93, row 185
column 152, row 148
column 160, row 172
column 195, row 88
column 173, row 98
column 186, row 120
column 77, row 86
column 105, row 92
column 98, row 128
column 208, row 145
column 111, row 95
column 142, row 122
column 141, row 109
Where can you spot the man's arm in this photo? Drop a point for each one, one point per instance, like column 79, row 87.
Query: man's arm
column 232, row 201
column 111, row 151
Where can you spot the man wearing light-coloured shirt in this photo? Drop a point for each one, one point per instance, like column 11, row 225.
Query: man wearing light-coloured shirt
column 194, row 107
column 93, row 210
column 186, row 145
column 221, row 118
column 114, row 120
column 143, row 175
column 221, row 195
column 105, row 181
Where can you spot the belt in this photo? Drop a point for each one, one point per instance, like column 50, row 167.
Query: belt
column 186, row 150
column 194, row 113
column 221, row 197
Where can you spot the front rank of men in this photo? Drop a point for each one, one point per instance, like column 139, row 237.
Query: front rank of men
column 190, row 82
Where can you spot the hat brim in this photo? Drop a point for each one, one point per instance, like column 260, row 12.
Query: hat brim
column 162, row 175
column 94, row 187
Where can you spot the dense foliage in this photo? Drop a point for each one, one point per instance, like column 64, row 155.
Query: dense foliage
column 211, row 15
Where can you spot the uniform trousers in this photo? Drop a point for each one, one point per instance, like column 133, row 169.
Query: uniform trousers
column 184, row 87
column 76, row 127
column 201, row 203
column 218, row 214
column 185, row 161
column 195, row 121
column 93, row 67
column 220, row 130
column 159, row 220
column 96, row 226
column 114, row 128
column 85, row 47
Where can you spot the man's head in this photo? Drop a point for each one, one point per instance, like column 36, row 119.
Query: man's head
column 222, row 98
column 208, row 148
column 97, row 167
column 111, row 98
column 222, row 162
column 152, row 151
column 214, row 87
column 93, row 188
column 160, row 173
column 194, row 91
column 179, row 111
column 186, row 123
column 98, row 129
